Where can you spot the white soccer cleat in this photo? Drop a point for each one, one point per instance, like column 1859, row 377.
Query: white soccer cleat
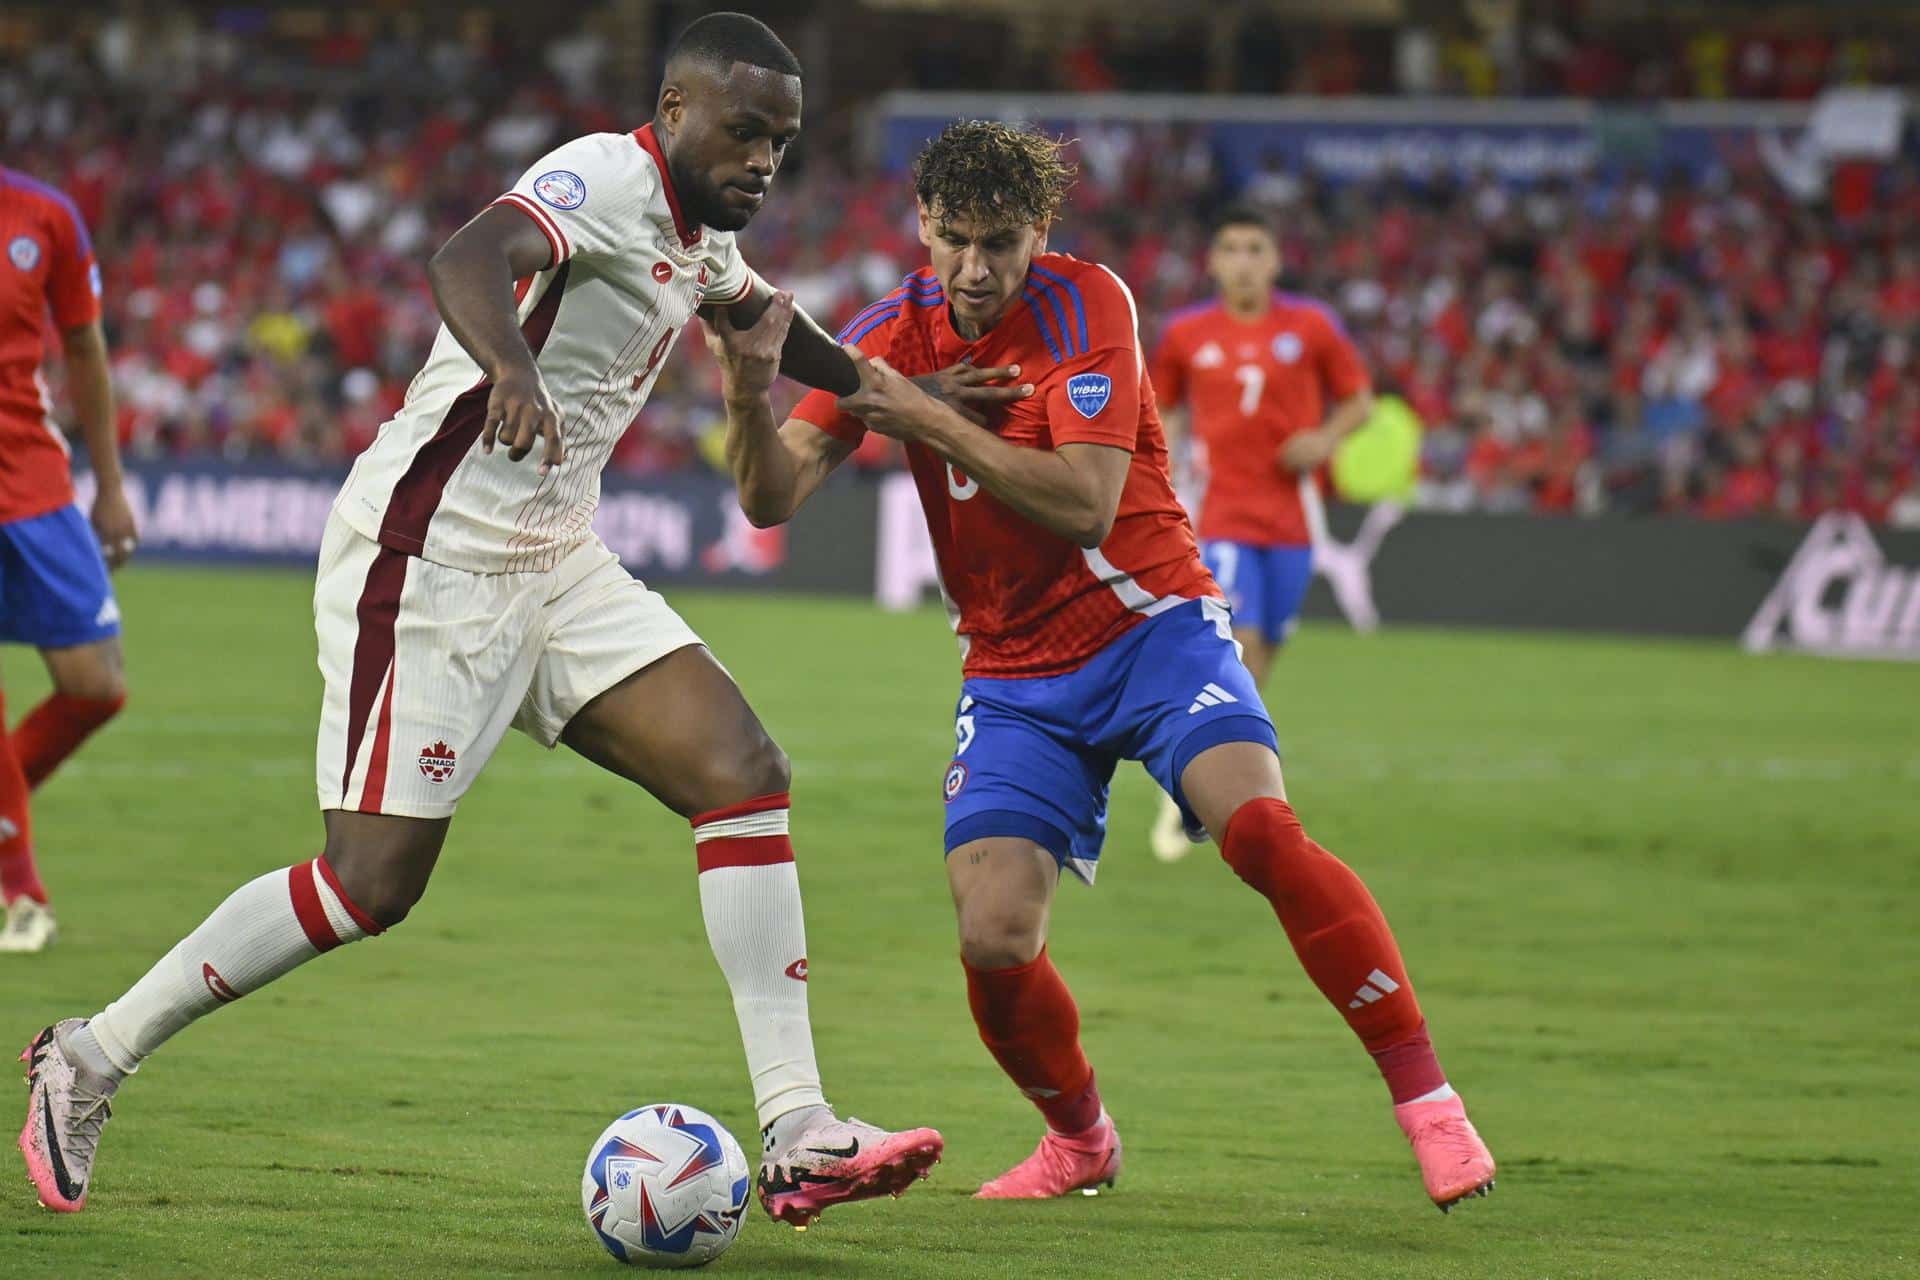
column 1169, row 836
column 839, row 1161
column 67, row 1106
column 30, row 926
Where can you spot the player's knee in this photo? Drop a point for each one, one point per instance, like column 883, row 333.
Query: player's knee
column 997, row 938
column 754, row 767
column 102, row 680
column 382, row 884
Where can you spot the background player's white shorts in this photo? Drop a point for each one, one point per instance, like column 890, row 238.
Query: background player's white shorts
column 426, row 666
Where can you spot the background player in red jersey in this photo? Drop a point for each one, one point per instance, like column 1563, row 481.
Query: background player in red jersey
column 1090, row 633
column 54, row 593
column 1272, row 385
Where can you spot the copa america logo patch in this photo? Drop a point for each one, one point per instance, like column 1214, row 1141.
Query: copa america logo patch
column 1287, row 348
column 24, row 252
column 437, row 762
column 561, row 188
column 1088, row 393
column 956, row 779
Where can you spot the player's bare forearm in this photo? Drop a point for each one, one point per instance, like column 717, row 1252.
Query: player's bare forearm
column 1348, row 415
column 770, row 476
column 90, row 382
column 1072, row 491
column 472, row 277
column 1310, row 450
column 810, row 355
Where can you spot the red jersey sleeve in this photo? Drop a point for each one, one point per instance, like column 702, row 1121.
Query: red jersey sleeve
column 871, row 331
column 1169, row 368
column 73, row 278
column 1342, row 371
column 1094, row 398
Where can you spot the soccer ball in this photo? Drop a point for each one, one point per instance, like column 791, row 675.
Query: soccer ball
column 665, row 1186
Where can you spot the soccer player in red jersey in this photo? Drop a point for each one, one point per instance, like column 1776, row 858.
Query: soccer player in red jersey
column 1272, row 385
column 1090, row 632
column 54, row 592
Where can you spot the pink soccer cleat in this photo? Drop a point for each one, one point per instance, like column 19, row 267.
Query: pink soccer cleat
column 66, row 1108
column 1062, row 1164
column 840, row 1161
column 1454, row 1163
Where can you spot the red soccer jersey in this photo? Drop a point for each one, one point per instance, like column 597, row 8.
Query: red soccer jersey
column 1028, row 602
column 1250, row 384
column 48, row 270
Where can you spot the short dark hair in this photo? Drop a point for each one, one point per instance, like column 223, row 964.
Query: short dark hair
column 1002, row 174
column 721, row 39
column 1242, row 215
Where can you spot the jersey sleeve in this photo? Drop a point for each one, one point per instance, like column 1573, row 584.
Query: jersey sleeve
column 588, row 196
column 731, row 278
column 1169, row 368
column 872, row 331
column 1342, row 371
column 73, row 277
column 1094, row 397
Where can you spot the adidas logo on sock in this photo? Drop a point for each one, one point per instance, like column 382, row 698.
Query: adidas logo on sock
column 1378, row 986
column 1211, row 696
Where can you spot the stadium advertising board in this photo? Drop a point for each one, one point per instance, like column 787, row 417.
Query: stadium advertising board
column 1349, row 140
column 1837, row 588
column 683, row 528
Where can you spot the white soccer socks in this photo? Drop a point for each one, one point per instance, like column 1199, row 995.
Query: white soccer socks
column 750, row 896
column 266, row 928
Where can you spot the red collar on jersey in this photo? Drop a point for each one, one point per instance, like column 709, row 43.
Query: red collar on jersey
column 689, row 237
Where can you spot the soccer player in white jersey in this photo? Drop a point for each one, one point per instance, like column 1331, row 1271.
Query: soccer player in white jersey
column 461, row 591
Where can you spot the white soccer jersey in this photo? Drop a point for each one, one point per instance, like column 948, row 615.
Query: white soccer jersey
column 627, row 275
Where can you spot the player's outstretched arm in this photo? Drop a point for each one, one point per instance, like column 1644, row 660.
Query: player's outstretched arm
column 1072, row 490
column 775, row 468
column 472, row 277
column 90, row 382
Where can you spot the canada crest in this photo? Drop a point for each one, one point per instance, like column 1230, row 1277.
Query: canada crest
column 437, row 762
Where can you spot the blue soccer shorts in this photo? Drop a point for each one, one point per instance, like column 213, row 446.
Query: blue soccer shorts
column 1033, row 758
column 1264, row 585
column 54, row 591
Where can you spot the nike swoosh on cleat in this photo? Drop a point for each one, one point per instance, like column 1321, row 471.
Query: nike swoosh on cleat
column 847, row 1152
column 60, row 1178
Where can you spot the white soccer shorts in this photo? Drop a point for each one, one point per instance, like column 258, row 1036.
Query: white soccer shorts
column 427, row 666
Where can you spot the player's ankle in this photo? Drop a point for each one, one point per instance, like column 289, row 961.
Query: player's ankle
column 91, row 1057
column 782, row 1131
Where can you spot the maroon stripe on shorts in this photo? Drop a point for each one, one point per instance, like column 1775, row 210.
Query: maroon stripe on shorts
column 416, row 496
column 378, row 610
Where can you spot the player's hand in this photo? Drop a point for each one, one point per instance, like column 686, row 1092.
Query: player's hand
column 961, row 386
column 113, row 525
column 887, row 402
column 1308, row 451
column 520, row 412
column 750, row 358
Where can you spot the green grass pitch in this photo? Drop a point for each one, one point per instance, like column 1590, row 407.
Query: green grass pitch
column 1660, row 901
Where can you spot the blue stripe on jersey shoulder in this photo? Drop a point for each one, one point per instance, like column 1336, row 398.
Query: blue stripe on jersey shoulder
column 919, row 283
column 861, row 326
column 1043, row 324
column 1038, row 292
column 1076, row 303
column 894, row 300
column 15, row 178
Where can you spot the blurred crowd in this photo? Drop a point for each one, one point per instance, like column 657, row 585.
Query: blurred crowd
column 1712, row 347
